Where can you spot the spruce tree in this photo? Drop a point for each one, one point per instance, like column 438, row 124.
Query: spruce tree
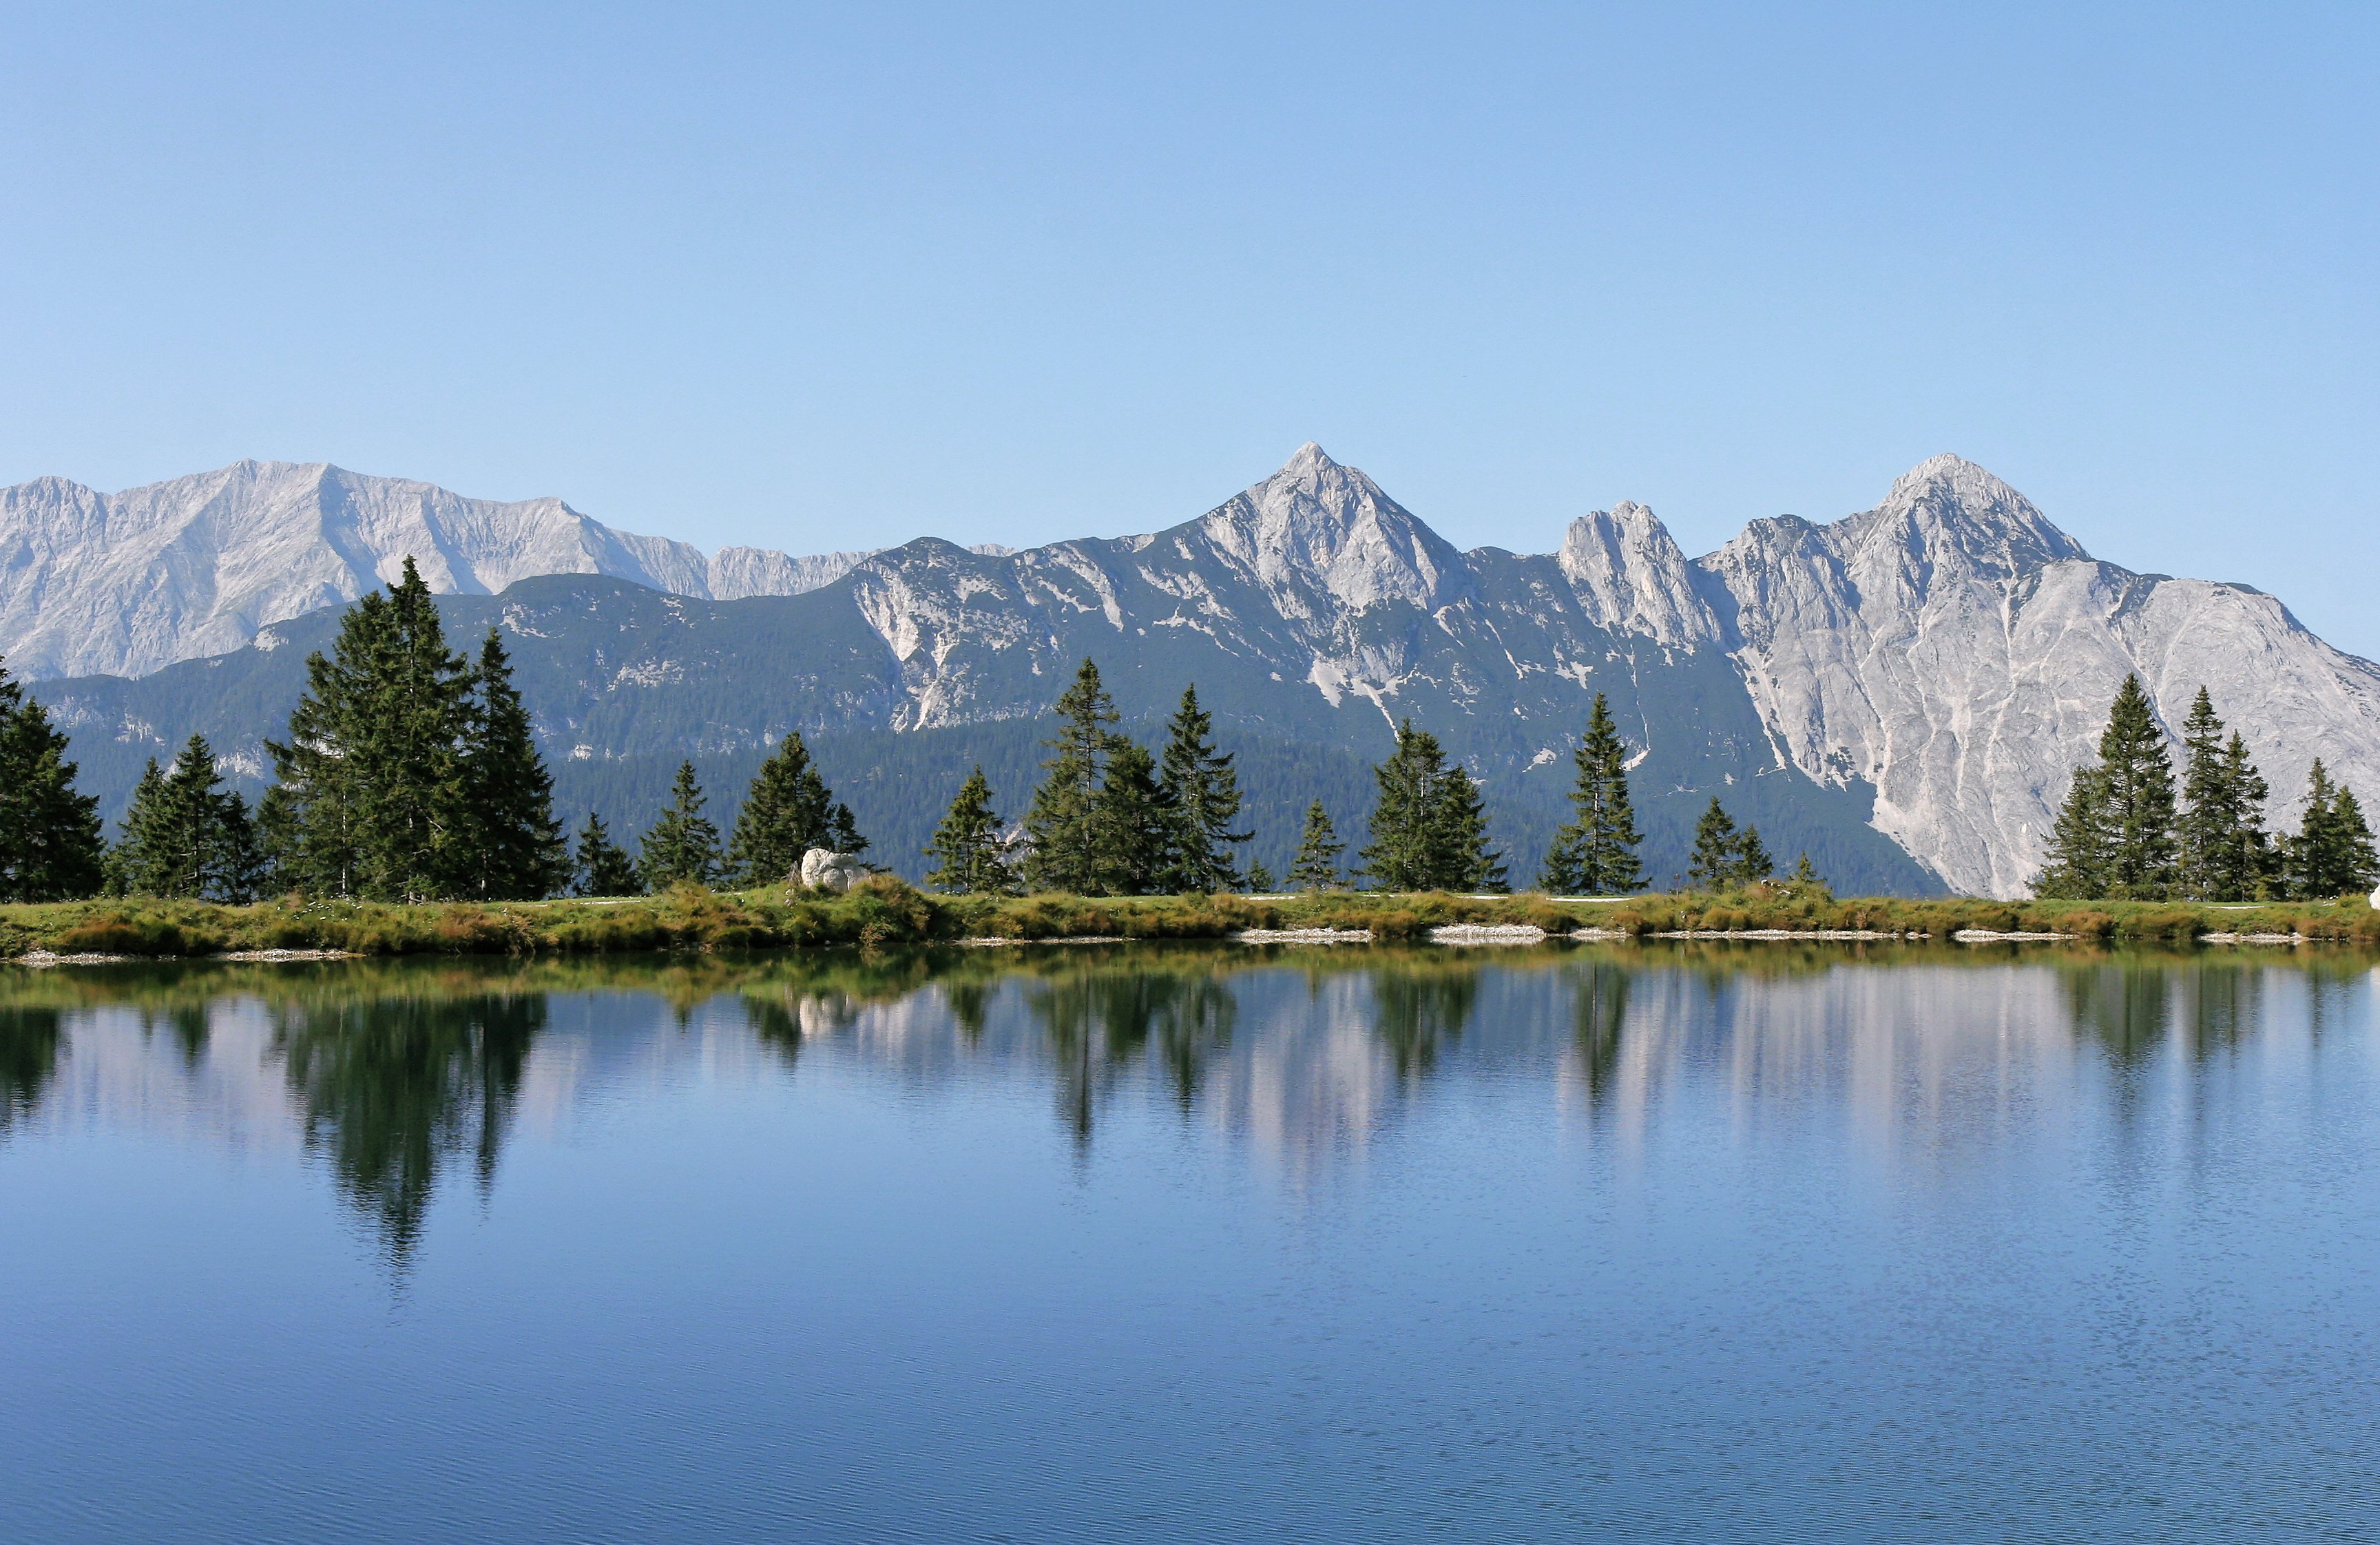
column 2209, row 814
column 1428, row 829
column 1804, row 880
column 1135, row 825
column 1752, row 864
column 682, row 847
column 2136, row 782
column 1259, row 879
column 602, row 866
column 1596, row 854
column 1201, row 791
column 1063, row 825
column 788, row 811
column 2247, row 866
column 373, row 764
column 970, row 852
column 2331, row 853
column 2076, row 868
column 1317, row 864
column 51, row 847
column 517, row 849
column 1716, row 852
column 185, row 835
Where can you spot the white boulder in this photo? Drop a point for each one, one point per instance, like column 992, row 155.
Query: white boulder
column 823, row 869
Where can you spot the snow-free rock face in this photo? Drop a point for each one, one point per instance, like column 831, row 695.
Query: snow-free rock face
column 1905, row 692
column 1957, row 652
column 125, row 582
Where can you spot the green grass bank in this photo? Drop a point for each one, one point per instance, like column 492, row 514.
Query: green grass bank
column 888, row 912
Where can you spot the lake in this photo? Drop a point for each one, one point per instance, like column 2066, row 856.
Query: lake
column 1130, row 1243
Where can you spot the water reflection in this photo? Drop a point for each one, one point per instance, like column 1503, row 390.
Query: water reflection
column 395, row 1075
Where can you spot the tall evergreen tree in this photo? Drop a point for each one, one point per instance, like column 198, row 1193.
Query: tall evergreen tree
column 1063, row 824
column 1428, row 829
column 1317, row 864
column 2247, row 867
column 1752, row 864
column 2332, row 852
column 603, row 867
column 1596, row 854
column 2077, row 866
column 2116, row 835
column 50, row 841
column 1135, row 824
column 1717, row 850
column 517, row 849
column 185, row 835
column 1201, row 791
column 373, row 764
column 970, row 854
column 2136, row 776
column 788, row 811
column 681, row 848
column 2222, row 851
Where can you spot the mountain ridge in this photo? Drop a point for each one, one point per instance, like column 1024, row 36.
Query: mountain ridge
column 1905, row 690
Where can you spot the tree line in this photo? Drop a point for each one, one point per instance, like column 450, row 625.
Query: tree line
column 2126, row 832
column 408, row 773
column 1109, row 819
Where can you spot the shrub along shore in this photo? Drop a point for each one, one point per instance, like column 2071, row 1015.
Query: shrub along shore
column 885, row 912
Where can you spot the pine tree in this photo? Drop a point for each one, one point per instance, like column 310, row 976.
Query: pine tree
column 602, row 866
column 185, row 835
column 682, row 847
column 1259, row 880
column 2136, row 777
column 1752, row 864
column 1428, row 829
column 373, row 764
column 2209, row 812
column 2116, row 834
column 1063, row 823
column 1804, row 880
column 1717, row 849
column 2249, row 863
column 1317, row 864
column 788, row 811
column 2076, row 866
column 972, row 856
column 2331, row 853
column 50, row 843
column 1595, row 854
column 517, row 850
column 1134, row 824
column 1202, row 793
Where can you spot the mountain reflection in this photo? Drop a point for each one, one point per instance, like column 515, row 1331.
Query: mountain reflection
column 401, row 1078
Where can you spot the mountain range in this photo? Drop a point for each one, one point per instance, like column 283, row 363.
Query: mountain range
column 1903, row 692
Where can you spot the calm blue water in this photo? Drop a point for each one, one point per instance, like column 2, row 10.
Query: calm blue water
column 1119, row 1245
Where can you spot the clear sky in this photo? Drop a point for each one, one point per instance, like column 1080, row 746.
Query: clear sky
column 835, row 277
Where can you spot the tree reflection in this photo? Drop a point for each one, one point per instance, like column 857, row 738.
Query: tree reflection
column 1600, row 1007
column 2223, row 1003
column 1098, row 1019
column 1421, row 1005
column 29, row 1059
column 2122, row 1006
column 393, row 1088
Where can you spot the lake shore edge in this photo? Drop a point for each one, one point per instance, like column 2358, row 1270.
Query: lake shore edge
column 886, row 912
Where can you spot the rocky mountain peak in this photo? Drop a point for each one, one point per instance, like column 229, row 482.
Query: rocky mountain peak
column 1317, row 523
column 1630, row 576
column 1948, row 508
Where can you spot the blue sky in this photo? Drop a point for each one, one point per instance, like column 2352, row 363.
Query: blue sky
column 836, row 277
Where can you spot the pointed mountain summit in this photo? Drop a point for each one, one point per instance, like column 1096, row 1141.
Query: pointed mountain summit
column 1317, row 524
column 1630, row 576
column 1946, row 507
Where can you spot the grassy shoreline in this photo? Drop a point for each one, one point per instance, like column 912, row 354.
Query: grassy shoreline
column 887, row 912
